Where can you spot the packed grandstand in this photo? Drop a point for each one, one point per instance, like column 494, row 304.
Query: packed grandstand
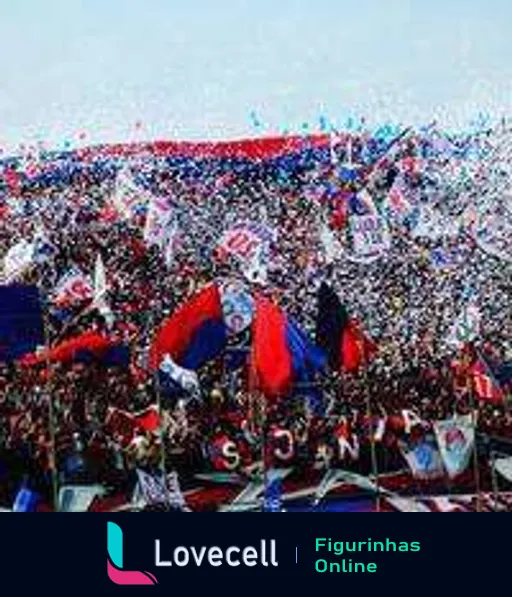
column 300, row 323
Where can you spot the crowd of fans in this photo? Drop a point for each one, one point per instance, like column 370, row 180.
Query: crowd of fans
column 60, row 419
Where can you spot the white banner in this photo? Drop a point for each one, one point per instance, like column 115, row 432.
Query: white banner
column 455, row 438
column 369, row 235
column 249, row 243
column 244, row 239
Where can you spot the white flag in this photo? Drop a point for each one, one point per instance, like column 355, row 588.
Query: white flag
column 149, row 490
column 128, row 195
column 171, row 242
column 100, row 279
column 185, row 378
column 17, row 260
column 176, row 497
column 100, row 291
column 157, row 221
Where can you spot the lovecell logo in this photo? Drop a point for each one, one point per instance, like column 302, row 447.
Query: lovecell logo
column 115, row 561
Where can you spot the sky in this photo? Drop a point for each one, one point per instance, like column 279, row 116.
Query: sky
column 75, row 72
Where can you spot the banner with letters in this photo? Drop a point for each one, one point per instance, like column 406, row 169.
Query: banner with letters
column 370, row 236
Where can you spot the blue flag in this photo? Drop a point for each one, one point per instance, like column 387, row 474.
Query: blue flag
column 26, row 500
column 273, row 501
column 21, row 321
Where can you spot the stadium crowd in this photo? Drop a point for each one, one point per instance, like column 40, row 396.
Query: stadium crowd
column 403, row 299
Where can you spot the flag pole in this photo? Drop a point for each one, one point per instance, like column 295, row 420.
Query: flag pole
column 369, row 416
column 494, row 479
column 51, row 414
column 161, row 435
column 476, row 471
column 156, row 383
column 260, row 411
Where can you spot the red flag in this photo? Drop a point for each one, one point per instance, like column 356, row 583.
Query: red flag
column 124, row 424
column 148, row 419
column 13, row 181
column 461, row 370
column 121, row 424
column 339, row 216
column 356, row 348
column 177, row 332
column 270, row 359
column 92, row 343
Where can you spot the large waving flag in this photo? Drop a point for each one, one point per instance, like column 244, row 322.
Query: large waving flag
column 194, row 334
column 346, row 345
column 83, row 348
column 281, row 352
